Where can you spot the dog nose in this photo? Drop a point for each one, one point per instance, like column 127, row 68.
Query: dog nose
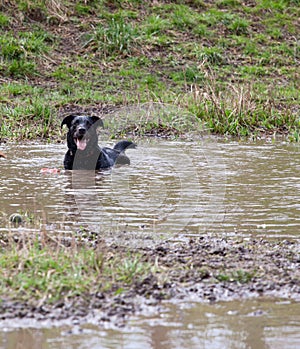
column 81, row 131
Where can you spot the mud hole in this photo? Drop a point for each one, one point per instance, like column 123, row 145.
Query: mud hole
column 205, row 269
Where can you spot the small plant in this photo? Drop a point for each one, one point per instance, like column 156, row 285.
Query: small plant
column 11, row 48
column 201, row 30
column 155, row 25
column 33, row 120
column 240, row 276
column 228, row 3
column 36, row 42
column 132, row 269
column 235, row 110
column 211, row 55
column 41, row 268
column 4, row 20
column 35, row 272
column 24, row 45
column 117, row 37
column 189, row 75
column 239, row 26
column 183, row 17
column 21, row 68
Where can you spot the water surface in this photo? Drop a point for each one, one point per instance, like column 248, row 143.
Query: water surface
column 233, row 325
column 171, row 190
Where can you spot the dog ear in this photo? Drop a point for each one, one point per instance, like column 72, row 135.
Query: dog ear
column 97, row 120
column 68, row 120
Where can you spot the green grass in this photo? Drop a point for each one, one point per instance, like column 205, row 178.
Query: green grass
column 197, row 55
column 47, row 272
column 23, row 121
column 117, row 37
column 19, row 52
column 4, row 20
column 235, row 109
column 41, row 269
column 241, row 276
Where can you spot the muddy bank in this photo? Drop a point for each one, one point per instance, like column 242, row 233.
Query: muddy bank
column 205, row 269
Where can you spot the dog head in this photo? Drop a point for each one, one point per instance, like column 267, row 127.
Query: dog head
column 82, row 132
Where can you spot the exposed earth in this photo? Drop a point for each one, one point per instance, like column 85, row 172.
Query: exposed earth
column 205, row 269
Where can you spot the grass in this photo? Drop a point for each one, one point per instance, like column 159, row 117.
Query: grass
column 241, row 276
column 116, row 38
column 38, row 270
column 128, row 52
column 41, row 269
column 46, row 269
column 235, row 109
column 24, row 120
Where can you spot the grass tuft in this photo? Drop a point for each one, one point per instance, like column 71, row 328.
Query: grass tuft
column 235, row 110
column 117, row 37
column 240, row 276
column 38, row 270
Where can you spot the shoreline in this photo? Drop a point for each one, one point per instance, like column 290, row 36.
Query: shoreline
column 206, row 269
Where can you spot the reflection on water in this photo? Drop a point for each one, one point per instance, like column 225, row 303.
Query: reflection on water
column 250, row 324
column 171, row 188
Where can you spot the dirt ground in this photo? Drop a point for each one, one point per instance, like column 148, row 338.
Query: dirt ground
column 206, row 269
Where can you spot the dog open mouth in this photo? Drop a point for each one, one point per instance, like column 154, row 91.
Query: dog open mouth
column 81, row 142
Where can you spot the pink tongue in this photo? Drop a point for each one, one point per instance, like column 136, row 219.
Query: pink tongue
column 81, row 144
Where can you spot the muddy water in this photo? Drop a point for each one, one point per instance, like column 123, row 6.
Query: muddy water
column 251, row 324
column 171, row 190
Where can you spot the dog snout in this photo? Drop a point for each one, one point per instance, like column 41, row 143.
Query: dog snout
column 81, row 131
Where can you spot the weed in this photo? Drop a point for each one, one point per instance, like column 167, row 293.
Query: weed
column 35, row 272
column 4, row 20
column 189, row 75
column 240, row 276
column 239, row 26
column 36, row 41
column 17, row 52
column 11, row 48
column 25, row 44
column 82, row 9
column 117, row 37
column 155, row 25
column 132, row 269
column 211, row 55
column 200, row 30
column 183, row 17
column 295, row 136
column 21, row 68
column 235, row 109
column 228, row 3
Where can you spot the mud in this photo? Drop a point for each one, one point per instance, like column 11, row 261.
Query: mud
column 207, row 269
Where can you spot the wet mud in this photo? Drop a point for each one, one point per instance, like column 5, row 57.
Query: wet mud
column 205, row 269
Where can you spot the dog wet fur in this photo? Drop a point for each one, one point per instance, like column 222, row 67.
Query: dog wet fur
column 84, row 152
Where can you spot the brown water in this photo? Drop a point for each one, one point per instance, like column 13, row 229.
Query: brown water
column 172, row 190
column 233, row 325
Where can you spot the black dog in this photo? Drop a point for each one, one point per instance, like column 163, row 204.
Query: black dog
column 84, row 152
